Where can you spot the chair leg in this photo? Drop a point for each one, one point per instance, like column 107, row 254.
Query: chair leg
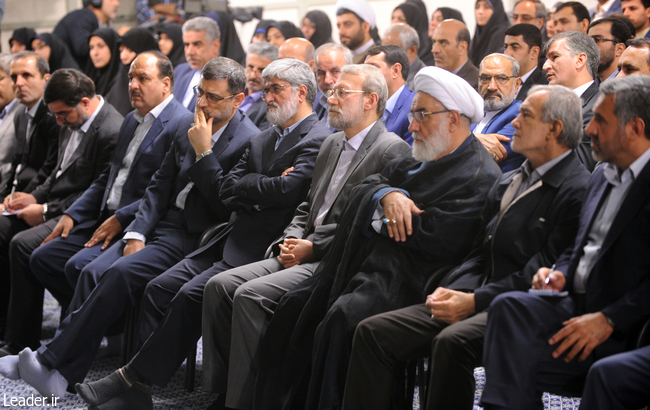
column 190, row 370
column 423, row 382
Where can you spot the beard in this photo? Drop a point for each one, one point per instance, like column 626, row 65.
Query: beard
column 279, row 114
column 606, row 60
column 430, row 148
column 344, row 119
column 80, row 122
column 494, row 104
column 354, row 42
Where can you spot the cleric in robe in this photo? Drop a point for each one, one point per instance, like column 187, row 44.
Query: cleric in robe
column 401, row 232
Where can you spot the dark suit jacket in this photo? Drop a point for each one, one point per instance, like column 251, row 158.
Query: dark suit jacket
column 416, row 66
column 263, row 200
column 75, row 29
column 614, row 8
column 88, row 210
column 88, row 161
column 532, row 231
column 589, row 98
column 202, row 208
column 376, row 151
column 501, row 124
column 469, row 73
column 38, row 157
column 257, row 114
column 619, row 282
column 398, row 121
column 537, row 77
column 182, row 76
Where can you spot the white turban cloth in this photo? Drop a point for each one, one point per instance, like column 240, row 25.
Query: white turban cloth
column 360, row 7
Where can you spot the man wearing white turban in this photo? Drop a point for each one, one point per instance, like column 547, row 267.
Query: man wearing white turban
column 400, row 232
column 355, row 20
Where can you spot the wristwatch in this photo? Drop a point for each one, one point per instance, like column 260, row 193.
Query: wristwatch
column 44, row 212
column 203, row 155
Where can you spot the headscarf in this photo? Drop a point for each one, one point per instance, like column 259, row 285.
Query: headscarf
column 451, row 90
column 421, row 6
column 139, row 40
column 489, row 38
column 288, row 29
column 174, row 31
column 104, row 77
column 449, row 13
column 60, row 55
column 419, row 22
column 230, row 44
column 323, row 33
column 24, row 36
column 262, row 27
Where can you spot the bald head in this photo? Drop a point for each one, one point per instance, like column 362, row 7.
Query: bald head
column 298, row 48
column 450, row 43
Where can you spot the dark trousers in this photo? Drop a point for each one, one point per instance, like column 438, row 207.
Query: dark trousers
column 9, row 226
column 107, row 287
column 25, row 309
column 381, row 343
column 517, row 357
column 620, row 381
column 171, row 315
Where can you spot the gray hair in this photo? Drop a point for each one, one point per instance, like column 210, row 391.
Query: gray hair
column 563, row 105
column 295, row 72
column 5, row 62
column 540, row 8
column 263, row 49
column 631, row 98
column 578, row 42
column 373, row 82
column 407, row 35
column 223, row 68
column 206, row 24
column 515, row 63
column 347, row 54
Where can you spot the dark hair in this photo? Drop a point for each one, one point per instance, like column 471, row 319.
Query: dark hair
column 627, row 21
column 68, row 86
column 224, row 68
column 579, row 10
column 646, row 3
column 392, row 55
column 463, row 35
column 531, row 34
column 41, row 63
column 165, row 67
column 619, row 30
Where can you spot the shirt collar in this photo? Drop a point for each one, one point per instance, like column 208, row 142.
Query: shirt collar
column 288, row 130
column 363, row 48
column 32, row 111
column 155, row 111
column 525, row 76
column 255, row 96
column 355, row 142
column 581, row 90
column 390, row 103
column 89, row 121
column 11, row 104
column 460, row 67
column 614, row 175
column 217, row 135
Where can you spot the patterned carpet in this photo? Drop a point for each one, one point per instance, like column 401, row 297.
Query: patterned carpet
column 174, row 396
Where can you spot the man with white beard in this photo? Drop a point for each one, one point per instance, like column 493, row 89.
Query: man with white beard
column 262, row 194
column 498, row 82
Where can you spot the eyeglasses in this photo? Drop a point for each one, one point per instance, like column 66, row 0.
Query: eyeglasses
column 213, row 98
column 60, row 115
column 342, row 93
column 601, row 39
column 275, row 89
column 420, row 116
column 523, row 17
column 501, row 78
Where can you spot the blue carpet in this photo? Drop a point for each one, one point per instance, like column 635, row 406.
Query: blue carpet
column 174, row 396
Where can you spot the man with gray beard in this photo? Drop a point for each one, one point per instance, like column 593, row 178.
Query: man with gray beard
column 498, row 82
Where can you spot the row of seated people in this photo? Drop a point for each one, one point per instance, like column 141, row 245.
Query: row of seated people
column 231, row 253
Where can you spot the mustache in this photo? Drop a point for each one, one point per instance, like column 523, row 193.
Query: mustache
column 334, row 109
column 135, row 93
column 272, row 104
column 495, row 93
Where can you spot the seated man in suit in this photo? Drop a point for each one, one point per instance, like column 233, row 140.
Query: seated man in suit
column 177, row 206
column 386, row 249
column 405, row 36
column 259, row 56
column 86, row 143
column 498, row 83
column 523, row 42
column 243, row 298
column 392, row 61
column 550, row 186
column 9, row 105
column 97, row 219
column 635, row 59
column 202, row 40
column 536, row 343
column 572, row 61
column 603, row 31
column 263, row 190
column 329, row 59
column 450, row 44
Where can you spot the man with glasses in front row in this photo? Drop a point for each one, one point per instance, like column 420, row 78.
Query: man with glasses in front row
column 262, row 190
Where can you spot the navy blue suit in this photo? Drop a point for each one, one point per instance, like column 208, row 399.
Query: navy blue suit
column 398, row 121
column 112, row 283
column 50, row 261
column 519, row 324
column 264, row 203
column 182, row 76
column 501, row 124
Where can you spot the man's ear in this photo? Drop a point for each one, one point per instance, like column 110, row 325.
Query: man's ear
column 372, row 99
column 301, row 92
column 534, row 52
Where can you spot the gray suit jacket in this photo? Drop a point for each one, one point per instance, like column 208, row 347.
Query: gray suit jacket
column 416, row 66
column 469, row 73
column 376, row 151
column 7, row 139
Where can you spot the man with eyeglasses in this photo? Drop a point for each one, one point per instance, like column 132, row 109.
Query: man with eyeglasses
column 498, row 82
column 610, row 35
column 329, row 60
column 259, row 56
column 529, row 12
column 262, row 190
column 401, row 232
column 532, row 216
